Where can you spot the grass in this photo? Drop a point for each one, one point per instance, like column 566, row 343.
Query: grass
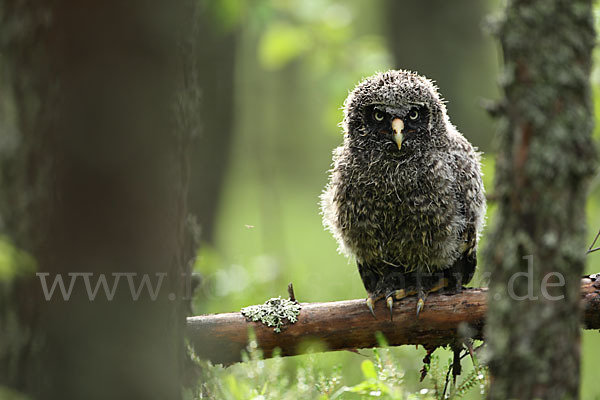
column 382, row 376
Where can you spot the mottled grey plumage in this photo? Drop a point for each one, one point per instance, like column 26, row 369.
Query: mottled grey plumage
column 406, row 212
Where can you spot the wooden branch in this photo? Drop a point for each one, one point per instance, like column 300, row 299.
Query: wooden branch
column 348, row 324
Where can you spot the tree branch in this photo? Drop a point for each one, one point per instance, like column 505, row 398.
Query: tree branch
column 346, row 325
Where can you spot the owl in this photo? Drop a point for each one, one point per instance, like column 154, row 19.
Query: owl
column 405, row 197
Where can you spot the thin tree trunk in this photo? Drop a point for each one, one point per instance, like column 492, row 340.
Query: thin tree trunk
column 94, row 182
column 443, row 40
column 545, row 159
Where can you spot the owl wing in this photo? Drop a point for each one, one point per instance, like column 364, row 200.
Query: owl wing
column 471, row 197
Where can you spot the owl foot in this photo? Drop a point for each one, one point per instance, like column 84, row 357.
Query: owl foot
column 420, row 291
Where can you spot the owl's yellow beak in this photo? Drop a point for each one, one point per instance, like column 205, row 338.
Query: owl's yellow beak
column 398, row 127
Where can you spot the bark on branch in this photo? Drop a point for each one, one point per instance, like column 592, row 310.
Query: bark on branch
column 348, row 324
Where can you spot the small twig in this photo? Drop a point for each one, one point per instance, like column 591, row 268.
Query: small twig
column 593, row 250
column 590, row 249
column 456, row 362
column 291, row 292
column 426, row 362
column 447, row 381
column 456, row 367
column 469, row 344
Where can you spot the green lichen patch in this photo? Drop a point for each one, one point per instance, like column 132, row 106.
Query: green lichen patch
column 275, row 312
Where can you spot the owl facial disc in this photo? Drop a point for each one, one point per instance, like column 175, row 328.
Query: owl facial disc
column 398, row 127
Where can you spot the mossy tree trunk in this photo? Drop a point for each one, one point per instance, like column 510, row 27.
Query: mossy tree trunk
column 94, row 181
column 545, row 159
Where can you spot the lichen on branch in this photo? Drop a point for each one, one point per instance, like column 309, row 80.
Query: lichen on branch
column 275, row 312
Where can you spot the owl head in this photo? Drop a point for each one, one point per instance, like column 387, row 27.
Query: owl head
column 396, row 111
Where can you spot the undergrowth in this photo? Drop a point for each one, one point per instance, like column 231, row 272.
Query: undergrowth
column 382, row 378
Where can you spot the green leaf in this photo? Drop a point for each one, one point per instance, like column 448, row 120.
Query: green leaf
column 368, row 369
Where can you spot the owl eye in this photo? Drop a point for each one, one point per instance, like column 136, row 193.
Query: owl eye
column 413, row 114
column 378, row 115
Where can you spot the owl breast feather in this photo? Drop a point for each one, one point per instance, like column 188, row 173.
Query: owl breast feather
column 405, row 214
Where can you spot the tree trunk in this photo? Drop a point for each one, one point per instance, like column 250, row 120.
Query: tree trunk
column 536, row 252
column 210, row 150
column 94, row 183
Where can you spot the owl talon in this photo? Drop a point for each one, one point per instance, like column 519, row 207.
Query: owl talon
column 420, row 305
column 421, row 294
column 390, row 303
column 370, row 303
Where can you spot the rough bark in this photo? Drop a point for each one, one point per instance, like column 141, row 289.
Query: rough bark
column 344, row 325
column 94, row 182
column 545, row 159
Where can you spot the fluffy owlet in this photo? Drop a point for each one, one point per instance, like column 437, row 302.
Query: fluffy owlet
column 405, row 196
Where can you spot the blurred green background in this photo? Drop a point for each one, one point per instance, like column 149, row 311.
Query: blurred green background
column 276, row 74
